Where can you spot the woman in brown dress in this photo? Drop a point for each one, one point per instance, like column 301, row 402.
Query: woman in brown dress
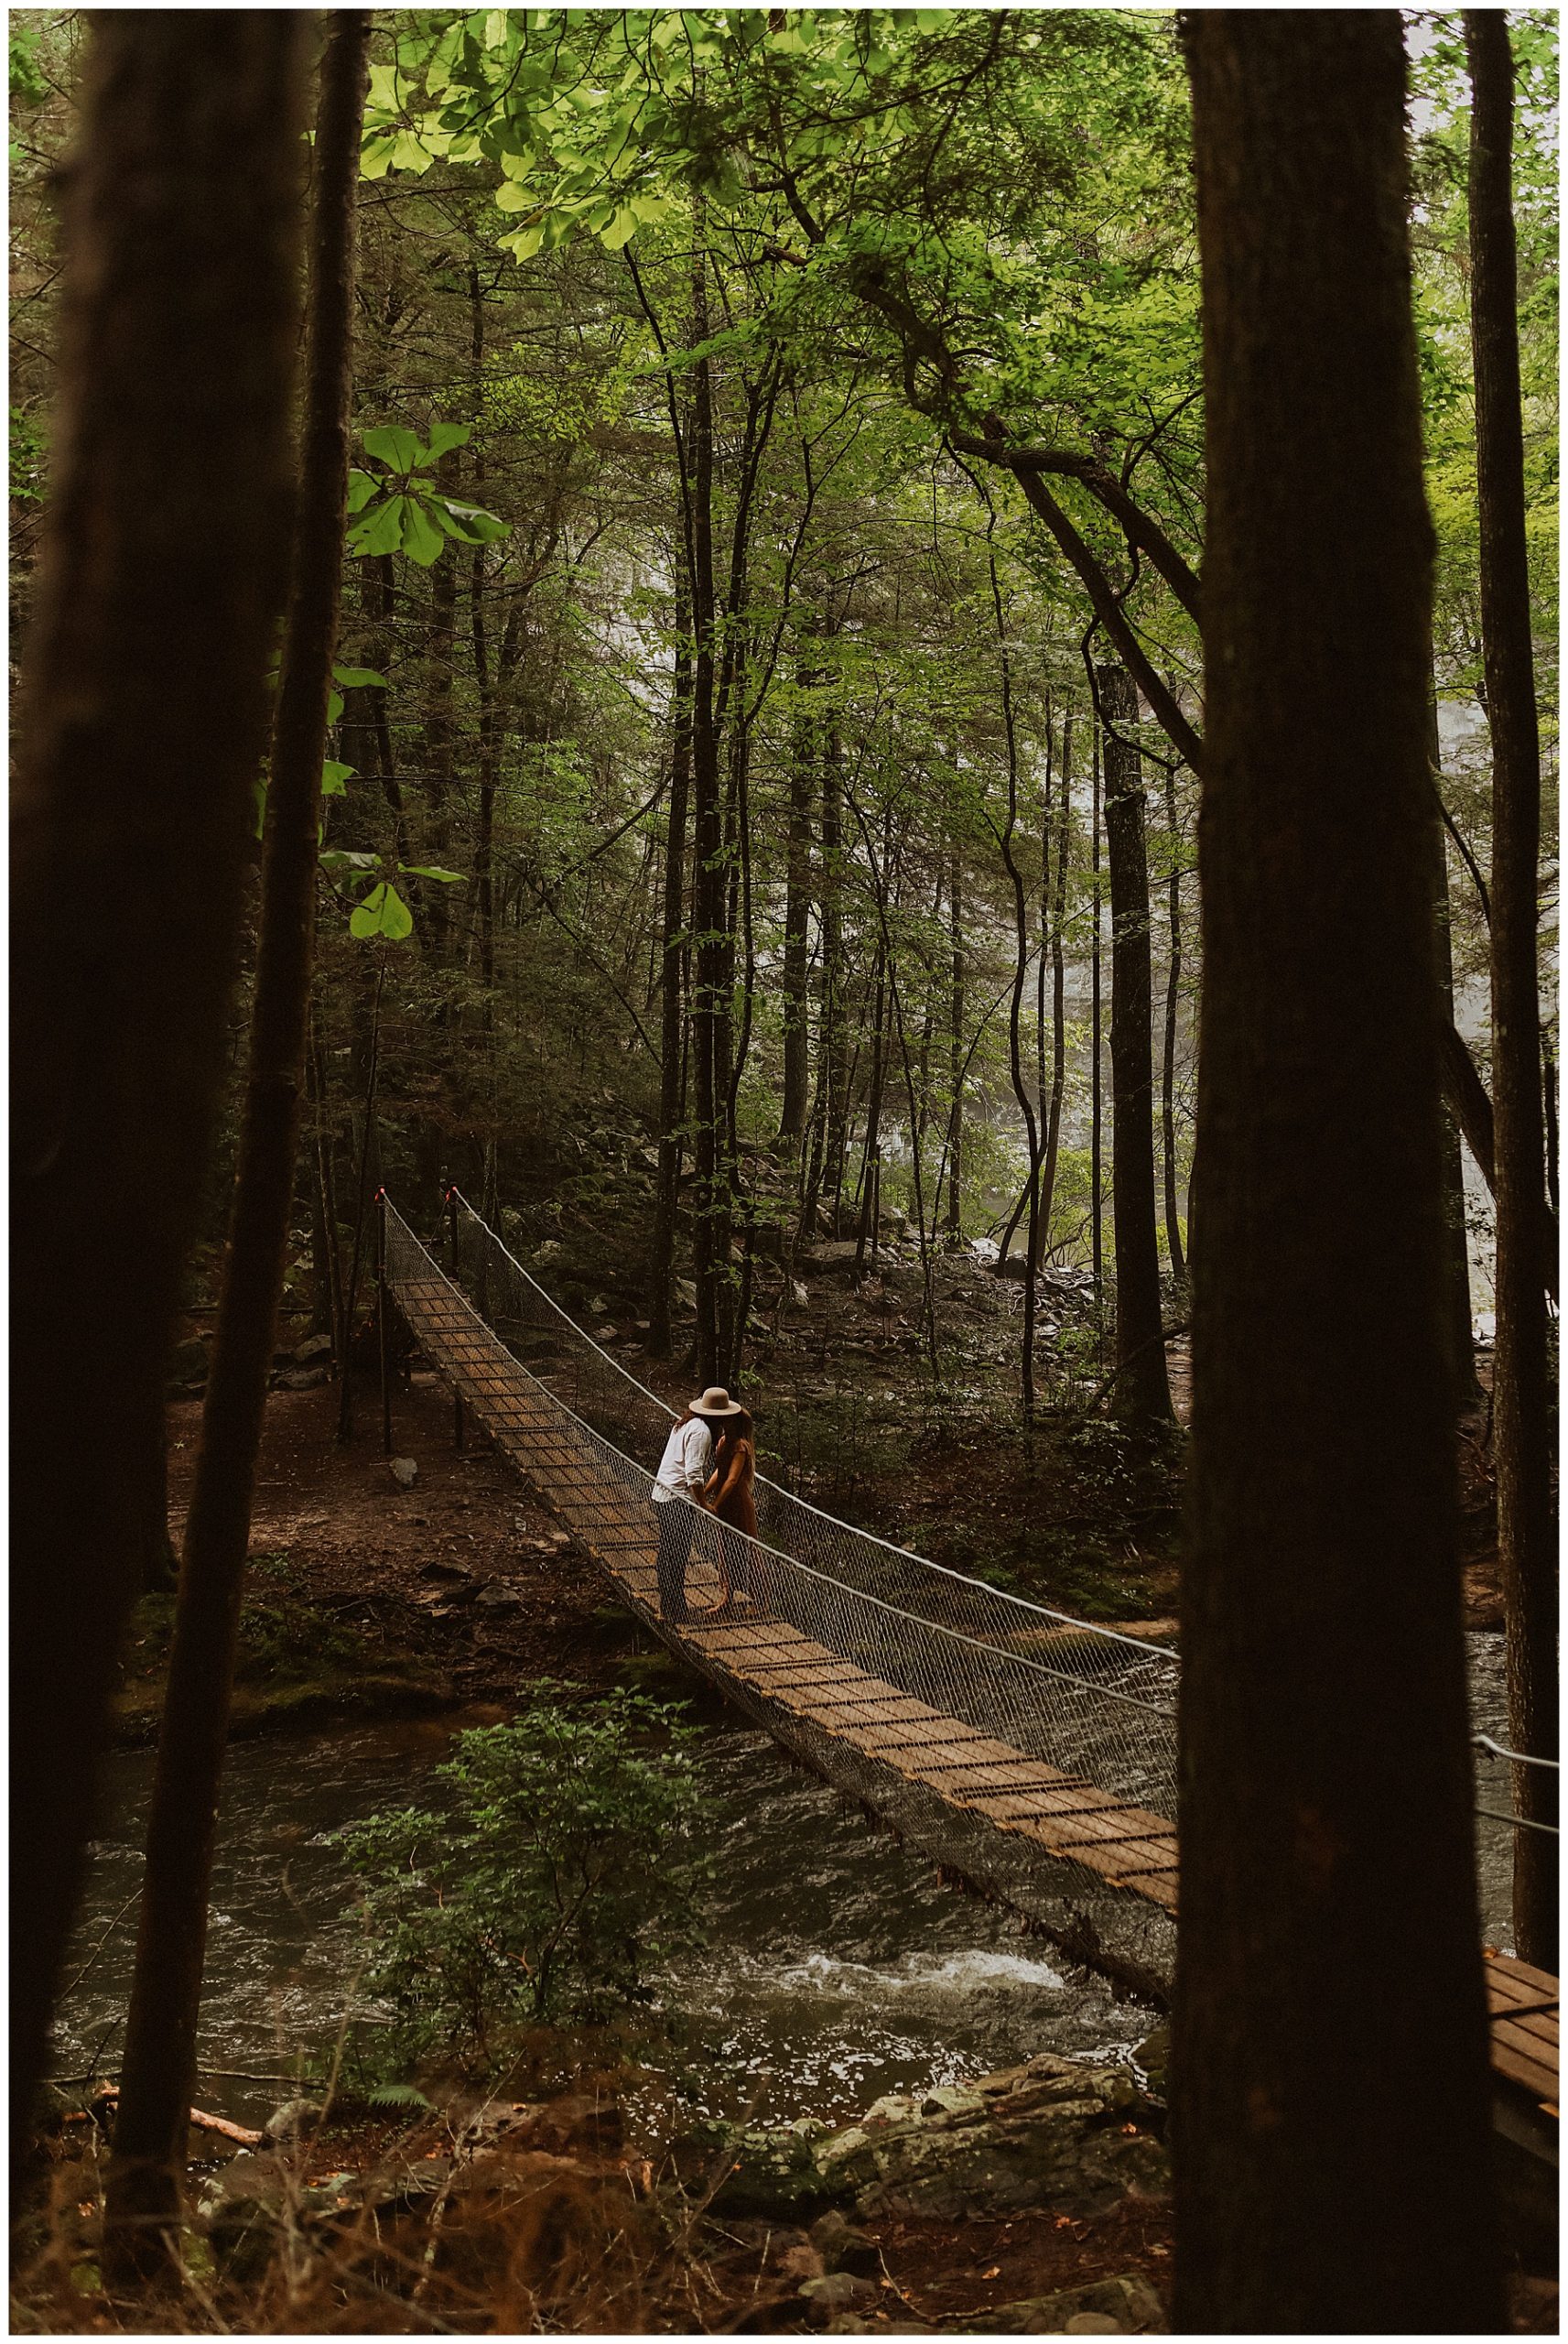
column 731, row 1494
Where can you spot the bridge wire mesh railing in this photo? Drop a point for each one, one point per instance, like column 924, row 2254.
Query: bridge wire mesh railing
column 1084, row 1699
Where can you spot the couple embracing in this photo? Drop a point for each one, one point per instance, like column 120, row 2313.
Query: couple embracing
column 709, row 1460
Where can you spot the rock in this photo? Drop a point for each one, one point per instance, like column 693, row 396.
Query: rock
column 405, row 1470
column 1152, row 2058
column 302, row 1379
column 839, row 1254
column 314, row 1347
column 188, row 1358
column 499, row 1599
column 838, row 2292
column 549, row 1251
column 604, row 1334
column 1127, row 2305
column 798, row 1295
column 843, row 2247
column 774, row 2169
column 1052, row 2133
column 439, row 1567
column 793, row 2258
column 287, row 2122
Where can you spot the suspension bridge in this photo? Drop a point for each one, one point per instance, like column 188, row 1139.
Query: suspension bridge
column 1031, row 1754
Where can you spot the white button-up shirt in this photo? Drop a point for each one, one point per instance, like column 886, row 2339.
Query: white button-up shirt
column 686, row 1464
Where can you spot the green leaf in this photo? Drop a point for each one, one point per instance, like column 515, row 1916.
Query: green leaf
column 469, row 523
column 258, row 798
column 381, row 531
column 433, row 870
column 394, row 446
column 358, row 679
column 382, row 913
column 363, row 487
column 422, row 539
column 347, row 862
column 334, row 707
column 334, row 779
column 444, row 436
column 621, row 230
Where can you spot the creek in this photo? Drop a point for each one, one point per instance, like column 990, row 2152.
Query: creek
column 836, row 1967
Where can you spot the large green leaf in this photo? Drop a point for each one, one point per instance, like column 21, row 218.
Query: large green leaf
column 422, row 539
column 433, row 870
column 381, row 531
column 469, row 523
column 395, row 445
column 357, row 680
column 382, row 913
column 444, row 435
column 363, row 487
column 335, row 777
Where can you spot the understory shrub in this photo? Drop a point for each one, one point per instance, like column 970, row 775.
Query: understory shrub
column 558, row 1872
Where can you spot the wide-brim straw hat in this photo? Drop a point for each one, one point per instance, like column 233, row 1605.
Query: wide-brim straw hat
column 716, row 1401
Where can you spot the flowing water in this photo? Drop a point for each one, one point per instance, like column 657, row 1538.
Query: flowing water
column 836, row 1967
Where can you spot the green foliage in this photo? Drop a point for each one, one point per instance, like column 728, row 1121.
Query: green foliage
column 401, row 510
column 27, row 443
column 558, row 1873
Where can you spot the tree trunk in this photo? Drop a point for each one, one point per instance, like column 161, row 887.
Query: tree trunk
column 143, row 717
column 1142, row 1388
column 1097, row 1111
column 672, row 1087
column 711, row 1248
column 158, row 2073
column 1521, row 1393
column 955, row 1056
column 1059, row 992
column 1168, row 1069
column 833, row 1045
column 872, row 1161
column 1456, row 1247
column 797, row 909
column 1326, row 1783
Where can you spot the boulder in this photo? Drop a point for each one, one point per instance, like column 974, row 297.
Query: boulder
column 405, row 1470
column 314, row 1347
column 1051, row 2132
column 843, row 2247
column 835, row 2293
column 775, row 2170
column 303, row 1379
column 287, row 2122
column 1127, row 2305
column 838, row 1253
column 189, row 1359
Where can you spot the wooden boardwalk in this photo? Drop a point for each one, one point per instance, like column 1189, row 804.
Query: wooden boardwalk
column 796, row 1680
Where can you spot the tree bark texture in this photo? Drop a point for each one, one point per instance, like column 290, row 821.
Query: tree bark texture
column 1522, row 1398
column 158, row 2071
column 797, row 911
column 1143, row 1388
column 1325, row 1783
column 672, row 1003
column 143, row 717
column 1457, row 1241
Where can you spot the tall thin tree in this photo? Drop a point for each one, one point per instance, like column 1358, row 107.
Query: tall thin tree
column 1325, row 1792
column 1521, row 1401
column 158, row 2071
column 143, row 717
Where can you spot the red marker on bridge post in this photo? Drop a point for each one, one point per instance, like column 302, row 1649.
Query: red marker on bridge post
column 452, row 1229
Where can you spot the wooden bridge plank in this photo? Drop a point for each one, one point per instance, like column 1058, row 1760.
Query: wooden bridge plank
column 1013, row 1791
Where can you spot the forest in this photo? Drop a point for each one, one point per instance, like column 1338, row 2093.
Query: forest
column 852, row 710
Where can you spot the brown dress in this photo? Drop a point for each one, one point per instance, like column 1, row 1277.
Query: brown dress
column 736, row 1506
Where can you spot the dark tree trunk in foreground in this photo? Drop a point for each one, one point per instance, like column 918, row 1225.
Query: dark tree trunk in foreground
column 1143, row 1391
column 143, row 719
column 159, row 2072
column 955, row 1048
column 1325, row 1783
column 1168, row 1069
column 1521, row 1406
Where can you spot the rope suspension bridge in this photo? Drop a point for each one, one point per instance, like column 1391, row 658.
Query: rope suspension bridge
column 1031, row 1754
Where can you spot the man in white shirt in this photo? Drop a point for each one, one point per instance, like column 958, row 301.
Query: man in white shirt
column 678, row 1485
